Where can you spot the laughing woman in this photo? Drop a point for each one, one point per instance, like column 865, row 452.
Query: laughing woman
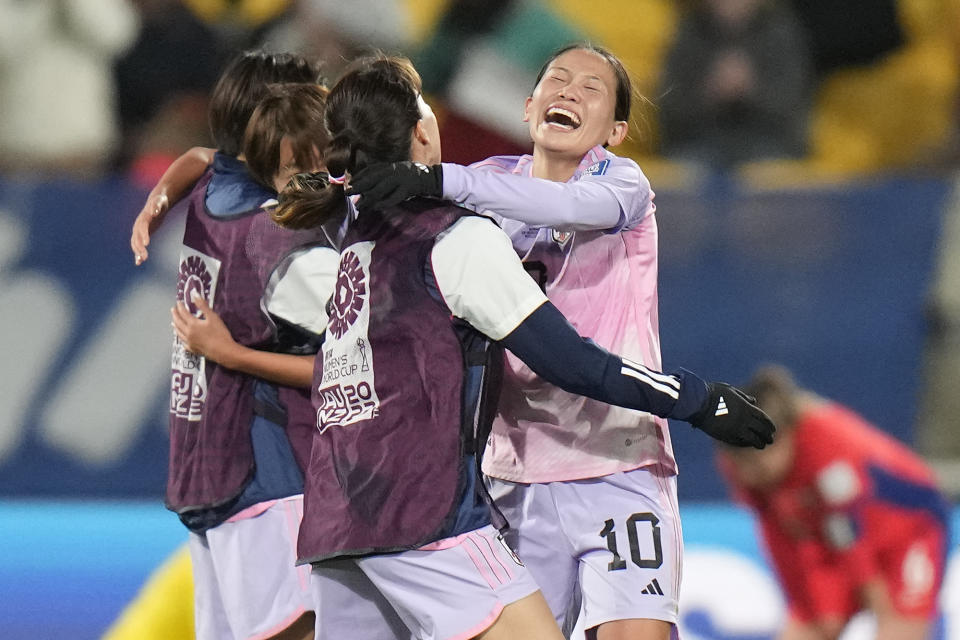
column 590, row 488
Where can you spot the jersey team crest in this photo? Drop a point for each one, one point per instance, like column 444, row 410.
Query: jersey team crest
column 561, row 237
column 347, row 393
column 197, row 277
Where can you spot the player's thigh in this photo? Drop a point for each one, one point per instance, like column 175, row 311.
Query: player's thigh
column 529, row 618
column 348, row 605
column 538, row 536
column 634, row 629
column 455, row 588
column 262, row 589
column 901, row 628
column 630, row 546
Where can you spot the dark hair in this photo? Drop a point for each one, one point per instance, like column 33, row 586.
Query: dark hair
column 289, row 110
column 624, row 93
column 241, row 87
column 371, row 113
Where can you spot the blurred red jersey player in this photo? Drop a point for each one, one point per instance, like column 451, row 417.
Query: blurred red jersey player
column 851, row 518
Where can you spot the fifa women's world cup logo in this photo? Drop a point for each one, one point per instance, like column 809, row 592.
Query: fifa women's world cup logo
column 194, row 277
column 349, row 295
column 188, row 390
column 347, row 393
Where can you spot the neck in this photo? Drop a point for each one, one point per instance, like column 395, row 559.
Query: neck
column 553, row 167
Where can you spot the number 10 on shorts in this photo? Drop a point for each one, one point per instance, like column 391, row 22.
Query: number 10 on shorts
column 634, row 531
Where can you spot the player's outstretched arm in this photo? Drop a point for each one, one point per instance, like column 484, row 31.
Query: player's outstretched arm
column 553, row 349
column 179, row 177
column 209, row 337
column 482, row 281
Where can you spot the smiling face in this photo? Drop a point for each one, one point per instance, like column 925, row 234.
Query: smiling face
column 572, row 107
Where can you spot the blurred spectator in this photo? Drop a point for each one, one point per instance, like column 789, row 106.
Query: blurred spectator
column 898, row 110
column 56, row 87
column 483, row 59
column 736, row 84
column 844, row 33
column 851, row 518
column 462, row 23
column 336, row 32
column 162, row 86
column 937, row 431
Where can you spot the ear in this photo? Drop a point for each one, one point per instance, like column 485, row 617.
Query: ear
column 420, row 133
column 526, row 109
column 618, row 133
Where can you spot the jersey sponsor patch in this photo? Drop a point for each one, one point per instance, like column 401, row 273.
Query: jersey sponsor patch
column 197, row 277
column 347, row 392
column 598, row 168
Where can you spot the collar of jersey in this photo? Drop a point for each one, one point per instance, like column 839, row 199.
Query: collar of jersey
column 232, row 190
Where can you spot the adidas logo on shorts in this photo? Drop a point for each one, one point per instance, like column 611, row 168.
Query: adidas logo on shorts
column 653, row 589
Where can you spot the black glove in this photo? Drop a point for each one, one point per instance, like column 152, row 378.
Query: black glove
column 733, row 417
column 387, row 184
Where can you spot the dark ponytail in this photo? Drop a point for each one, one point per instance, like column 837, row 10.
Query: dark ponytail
column 339, row 156
column 307, row 195
column 371, row 113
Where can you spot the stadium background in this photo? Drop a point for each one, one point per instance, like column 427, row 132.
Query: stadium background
column 842, row 266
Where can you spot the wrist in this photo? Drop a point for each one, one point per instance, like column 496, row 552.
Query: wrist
column 229, row 356
column 160, row 200
column 436, row 180
column 693, row 398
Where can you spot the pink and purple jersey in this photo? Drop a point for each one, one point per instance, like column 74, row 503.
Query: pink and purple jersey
column 593, row 242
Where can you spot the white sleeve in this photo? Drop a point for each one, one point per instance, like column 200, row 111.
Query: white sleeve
column 301, row 292
column 481, row 278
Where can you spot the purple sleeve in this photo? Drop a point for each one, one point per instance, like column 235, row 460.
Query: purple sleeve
column 617, row 200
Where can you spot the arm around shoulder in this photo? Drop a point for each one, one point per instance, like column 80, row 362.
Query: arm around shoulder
column 174, row 184
column 609, row 200
column 209, row 337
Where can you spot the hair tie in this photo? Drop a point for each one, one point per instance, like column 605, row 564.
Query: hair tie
column 338, row 179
